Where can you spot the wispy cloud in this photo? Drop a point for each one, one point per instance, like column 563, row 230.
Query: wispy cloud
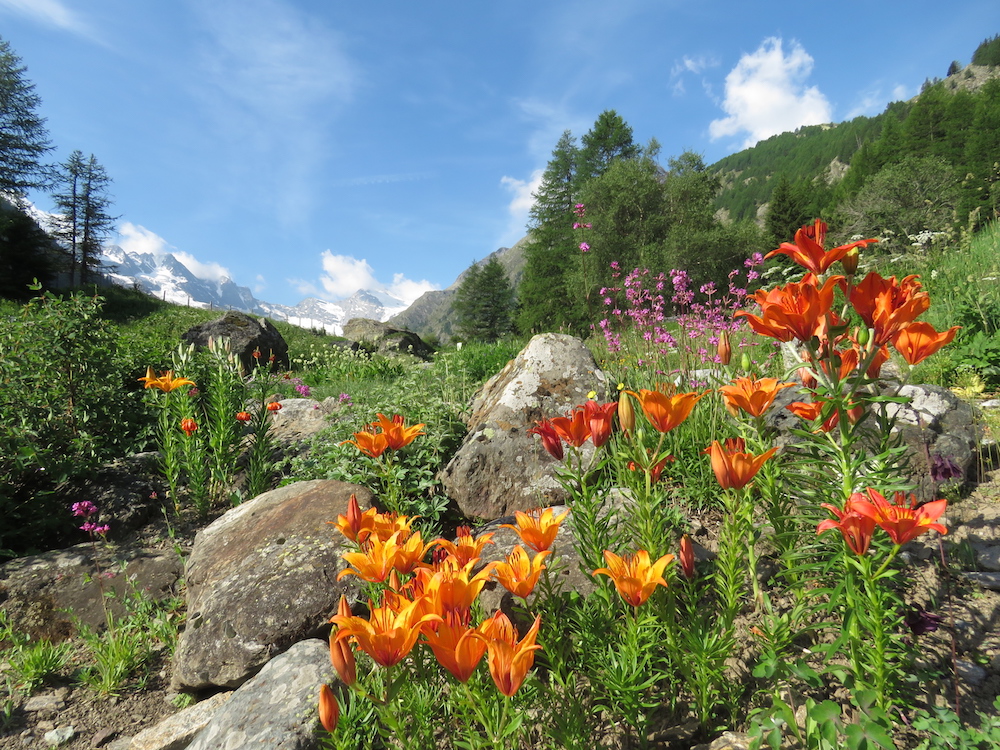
column 766, row 94
column 522, row 199
column 343, row 275
column 693, row 65
column 274, row 78
column 49, row 13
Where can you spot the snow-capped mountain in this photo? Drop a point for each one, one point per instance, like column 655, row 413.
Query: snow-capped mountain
column 164, row 276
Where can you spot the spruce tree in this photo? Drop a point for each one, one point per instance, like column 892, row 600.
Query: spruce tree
column 484, row 303
column 83, row 221
column 610, row 138
column 23, row 137
column 26, row 254
column 785, row 211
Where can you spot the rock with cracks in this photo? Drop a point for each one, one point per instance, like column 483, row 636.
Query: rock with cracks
column 261, row 578
column 501, row 468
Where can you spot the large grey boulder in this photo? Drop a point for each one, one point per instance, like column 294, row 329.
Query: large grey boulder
column 246, row 335
column 260, row 578
column 939, row 430
column 385, row 339
column 277, row 709
column 501, row 468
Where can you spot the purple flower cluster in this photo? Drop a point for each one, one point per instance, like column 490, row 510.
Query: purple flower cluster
column 344, row 399
column 580, row 210
column 645, row 304
column 86, row 509
column 301, row 388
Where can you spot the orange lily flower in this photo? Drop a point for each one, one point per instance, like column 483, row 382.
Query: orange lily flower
column 352, row 525
column 465, row 548
column 411, row 552
column 550, row 438
column 387, row 636
column 732, row 466
column 341, row 653
column 518, row 573
column 451, row 589
column 600, row 417
column 920, row 340
column 397, row 435
column 165, row 382
column 189, row 426
column 857, row 529
column 667, row 412
column 509, row 659
column 574, row 429
column 798, row 310
column 888, row 306
column 458, row 648
column 811, row 411
column 901, row 522
column 635, row 576
column 375, row 561
column 329, row 709
column 808, row 249
column 369, row 443
column 387, row 524
column 537, row 528
column 751, row 395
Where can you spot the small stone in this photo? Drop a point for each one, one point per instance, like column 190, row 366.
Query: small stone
column 990, row 403
column 971, row 672
column 59, row 736
column 45, row 702
column 988, row 556
column 103, row 737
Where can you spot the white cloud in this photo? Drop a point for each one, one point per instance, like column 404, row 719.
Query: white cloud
column 208, row 271
column 135, row 238
column 407, row 289
column 343, row 275
column 900, row 93
column 48, row 13
column 687, row 64
column 524, row 194
column 766, row 94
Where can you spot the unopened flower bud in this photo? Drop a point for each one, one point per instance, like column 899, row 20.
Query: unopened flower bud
column 626, row 413
column 863, row 336
column 745, row 362
column 329, row 710
column 850, row 261
column 725, row 349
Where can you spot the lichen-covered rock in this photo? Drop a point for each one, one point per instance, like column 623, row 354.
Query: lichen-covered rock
column 384, row 339
column 501, row 468
column 246, row 335
column 178, row 730
column 277, row 709
column 260, row 578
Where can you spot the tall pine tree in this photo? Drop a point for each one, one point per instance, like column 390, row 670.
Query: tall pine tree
column 83, row 221
column 23, row 137
column 484, row 303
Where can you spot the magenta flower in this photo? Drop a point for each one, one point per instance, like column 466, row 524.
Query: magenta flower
column 584, row 246
column 84, row 508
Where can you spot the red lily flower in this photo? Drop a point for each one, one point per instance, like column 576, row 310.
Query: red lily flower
column 550, row 438
column 901, row 522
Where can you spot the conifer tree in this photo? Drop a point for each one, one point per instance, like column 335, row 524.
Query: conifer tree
column 785, row 211
column 23, row 137
column 610, row 138
column 26, row 254
column 484, row 303
column 82, row 204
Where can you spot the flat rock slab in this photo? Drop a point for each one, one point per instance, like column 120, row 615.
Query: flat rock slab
column 42, row 593
column 176, row 732
column 261, row 578
column 277, row 709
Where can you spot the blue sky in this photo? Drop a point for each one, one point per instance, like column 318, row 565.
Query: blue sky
column 313, row 147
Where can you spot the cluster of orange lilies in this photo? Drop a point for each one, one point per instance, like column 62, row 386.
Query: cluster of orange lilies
column 385, row 434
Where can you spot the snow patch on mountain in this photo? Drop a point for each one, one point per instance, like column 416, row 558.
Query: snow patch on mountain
column 162, row 275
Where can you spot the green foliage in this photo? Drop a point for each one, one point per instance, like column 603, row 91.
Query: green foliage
column 945, row 731
column 65, row 406
column 25, row 140
column 988, row 52
column 26, row 255
column 786, row 212
column 31, row 664
column 484, row 303
column 915, row 195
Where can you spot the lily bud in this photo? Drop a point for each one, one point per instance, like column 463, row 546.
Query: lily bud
column 725, row 350
column 341, row 653
column 745, row 362
column 850, row 261
column 626, row 413
column 687, row 557
column 863, row 336
column 807, row 377
column 329, row 709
